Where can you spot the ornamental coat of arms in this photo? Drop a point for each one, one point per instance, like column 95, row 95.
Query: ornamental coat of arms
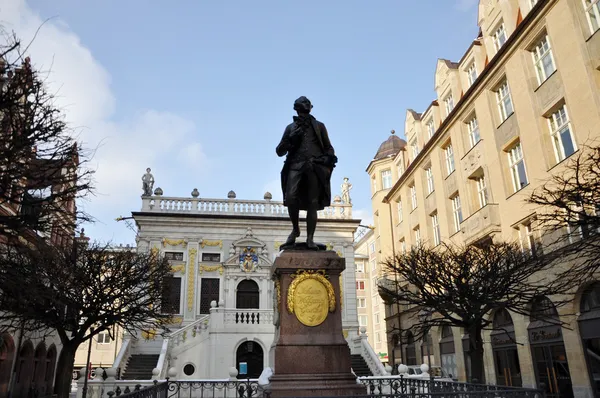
column 248, row 259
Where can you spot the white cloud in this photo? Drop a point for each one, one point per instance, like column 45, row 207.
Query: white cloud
column 150, row 138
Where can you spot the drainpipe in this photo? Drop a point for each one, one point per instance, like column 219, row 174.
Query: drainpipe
column 395, row 276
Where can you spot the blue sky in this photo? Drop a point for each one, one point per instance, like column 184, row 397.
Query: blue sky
column 200, row 91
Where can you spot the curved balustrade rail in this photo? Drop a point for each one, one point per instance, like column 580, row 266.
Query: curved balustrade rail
column 163, row 204
column 248, row 317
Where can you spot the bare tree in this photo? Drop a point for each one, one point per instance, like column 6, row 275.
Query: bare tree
column 461, row 286
column 42, row 170
column 71, row 292
column 568, row 213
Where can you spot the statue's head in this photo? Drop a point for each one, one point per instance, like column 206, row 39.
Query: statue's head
column 148, row 170
column 302, row 105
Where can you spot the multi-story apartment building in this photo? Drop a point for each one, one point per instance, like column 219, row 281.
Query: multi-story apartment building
column 523, row 98
column 370, row 306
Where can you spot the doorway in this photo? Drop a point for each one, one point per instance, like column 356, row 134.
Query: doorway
column 250, row 353
column 504, row 348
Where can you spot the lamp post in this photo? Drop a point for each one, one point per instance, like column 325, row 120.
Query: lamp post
column 87, row 365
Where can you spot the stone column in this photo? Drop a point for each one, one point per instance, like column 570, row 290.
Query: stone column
column 312, row 358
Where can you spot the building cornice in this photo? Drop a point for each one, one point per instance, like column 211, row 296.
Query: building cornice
column 537, row 12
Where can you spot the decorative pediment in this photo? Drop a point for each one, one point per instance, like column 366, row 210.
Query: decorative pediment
column 249, row 253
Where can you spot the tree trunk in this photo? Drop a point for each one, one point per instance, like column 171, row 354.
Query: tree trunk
column 476, row 354
column 64, row 370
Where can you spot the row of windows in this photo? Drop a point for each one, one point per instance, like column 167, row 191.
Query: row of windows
column 207, row 257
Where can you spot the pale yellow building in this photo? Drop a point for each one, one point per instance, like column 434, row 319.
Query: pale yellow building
column 524, row 97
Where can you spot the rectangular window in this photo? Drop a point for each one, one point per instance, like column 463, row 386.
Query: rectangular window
column 472, row 74
column 528, row 239
column 449, row 103
column 400, row 169
column 457, row 212
column 386, row 179
column 449, row 155
column 505, row 106
column 171, row 297
column 211, row 257
column 376, row 319
column 362, row 320
column 562, row 136
column 576, row 227
column 430, row 129
column 400, row 216
column 174, row 256
column 374, row 285
column 403, row 246
column 361, row 303
column 542, row 59
column 499, row 37
column 413, row 197
column 417, row 232
column 373, row 265
column 429, row 176
column 377, row 337
column 360, row 285
column 517, row 167
column 592, row 11
column 374, row 185
column 473, row 128
column 415, row 148
column 372, row 248
column 482, row 191
column 360, row 267
column 435, row 225
column 103, row 338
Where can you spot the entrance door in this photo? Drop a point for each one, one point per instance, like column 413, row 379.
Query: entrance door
column 252, row 354
column 209, row 291
column 508, row 370
column 552, row 369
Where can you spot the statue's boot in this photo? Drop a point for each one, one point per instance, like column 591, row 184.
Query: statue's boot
column 310, row 243
column 292, row 238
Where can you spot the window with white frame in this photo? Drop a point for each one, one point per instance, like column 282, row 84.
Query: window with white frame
column 499, row 37
column 400, row 215
column 372, row 248
column 413, row 197
column 562, row 136
column 360, row 267
column 543, row 60
column 527, row 238
column 403, row 246
column 103, row 338
column 417, row 233
column 376, row 316
column 435, row 225
column 363, row 320
column 360, row 285
column 576, row 229
column 378, row 337
column 517, row 167
column 472, row 74
column 386, row 179
column 456, row 212
column 449, row 157
column 374, row 285
column 400, row 169
column 532, row 3
column 415, row 148
column 473, row 129
column 430, row 129
column 592, row 11
column 429, row 177
column 361, row 303
column 373, row 265
column 481, row 191
column 374, row 185
column 449, row 103
column 505, row 105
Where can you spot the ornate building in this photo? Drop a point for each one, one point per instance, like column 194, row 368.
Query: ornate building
column 523, row 98
column 221, row 295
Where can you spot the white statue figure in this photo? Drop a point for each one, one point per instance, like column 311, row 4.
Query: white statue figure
column 346, row 187
column 147, row 183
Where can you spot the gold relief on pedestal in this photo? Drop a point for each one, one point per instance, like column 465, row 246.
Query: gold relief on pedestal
column 173, row 242
column 278, row 291
column 210, row 268
column 310, row 297
column 190, row 287
column 211, row 243
column 154, row 252
column 341, row 291
column 149, row 334
column 345, row 333
column 277, row 245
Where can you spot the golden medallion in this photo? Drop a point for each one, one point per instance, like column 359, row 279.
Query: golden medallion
column 310, row 297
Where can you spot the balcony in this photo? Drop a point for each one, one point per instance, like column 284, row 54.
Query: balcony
column 483, row 222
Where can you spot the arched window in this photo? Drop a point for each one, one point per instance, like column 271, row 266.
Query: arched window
column 411, row 351
column 50, row 365
column 448, row 352
column 543, row 309
column 589, row 329
column 427, row 350
column 7, row 354
column 39, row 369
column 24, row 376
column 590, row 299
column 247, row 295
column 504, row 347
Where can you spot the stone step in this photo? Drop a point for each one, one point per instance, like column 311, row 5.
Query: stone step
column 359, row 366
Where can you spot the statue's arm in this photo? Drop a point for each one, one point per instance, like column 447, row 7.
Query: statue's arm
column 326, row 142
column 285, row 144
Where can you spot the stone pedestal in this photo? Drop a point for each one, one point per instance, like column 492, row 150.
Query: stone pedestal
column 311, row 355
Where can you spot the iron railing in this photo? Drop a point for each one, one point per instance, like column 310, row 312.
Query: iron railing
column 189, row 389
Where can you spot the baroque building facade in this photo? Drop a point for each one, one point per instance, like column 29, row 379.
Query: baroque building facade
column 222, row 296
column 523, row 99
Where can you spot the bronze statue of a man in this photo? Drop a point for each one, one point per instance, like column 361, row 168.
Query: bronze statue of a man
column 306, row 174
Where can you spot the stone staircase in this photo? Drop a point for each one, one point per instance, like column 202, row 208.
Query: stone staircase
column 359, row 366
column 139, row 367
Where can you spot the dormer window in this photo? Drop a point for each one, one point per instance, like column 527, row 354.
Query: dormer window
column 472, row 74
column 415, row 148
column 430, row 129
column 499, row 37
column 449, row 102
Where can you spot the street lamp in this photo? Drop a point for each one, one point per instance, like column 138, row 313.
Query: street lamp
column 87, row 365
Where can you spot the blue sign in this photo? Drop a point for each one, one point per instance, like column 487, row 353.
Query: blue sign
column 243, row 368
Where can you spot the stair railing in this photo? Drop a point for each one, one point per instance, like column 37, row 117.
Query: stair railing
column 366, row 351
column 123, row 356
column 191, row 331
column 162, row 364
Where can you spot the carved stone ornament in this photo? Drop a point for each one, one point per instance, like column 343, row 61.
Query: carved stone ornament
column 310, row 297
